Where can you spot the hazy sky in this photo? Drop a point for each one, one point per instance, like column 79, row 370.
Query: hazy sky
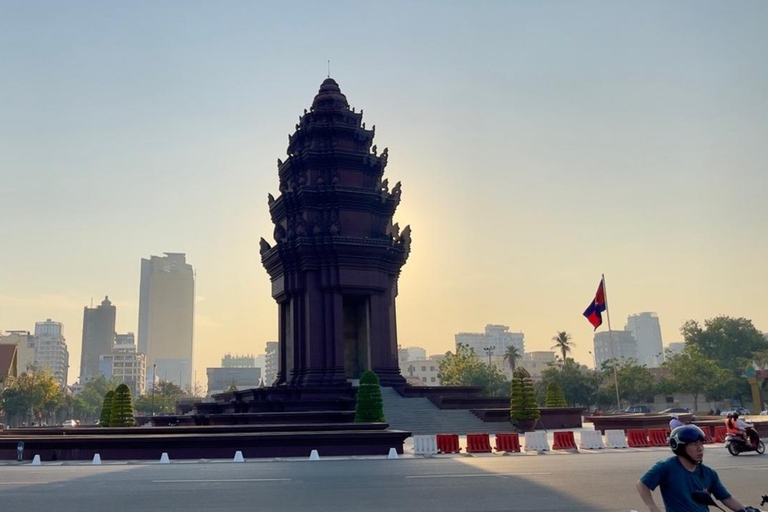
column 539, row 144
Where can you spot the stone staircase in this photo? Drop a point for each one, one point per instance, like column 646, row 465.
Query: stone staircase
column 420, row 416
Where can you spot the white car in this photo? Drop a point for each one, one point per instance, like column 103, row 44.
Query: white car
column 69, row 423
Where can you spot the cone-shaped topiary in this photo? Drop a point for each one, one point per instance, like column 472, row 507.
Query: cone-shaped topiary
column 522, row 404
column 555, row 396
column 122, row 408
column 106, row 409
column 369, row 408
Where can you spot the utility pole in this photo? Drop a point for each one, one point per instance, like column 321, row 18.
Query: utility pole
column 489, row 351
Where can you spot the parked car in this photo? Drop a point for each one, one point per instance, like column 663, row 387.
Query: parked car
column 675, row 409
column 741, row 410
column 637, row 409
column 69, row 423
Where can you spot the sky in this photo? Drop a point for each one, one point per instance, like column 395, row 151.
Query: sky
column 539, row 144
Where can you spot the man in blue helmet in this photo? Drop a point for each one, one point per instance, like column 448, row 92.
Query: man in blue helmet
column 684, row 473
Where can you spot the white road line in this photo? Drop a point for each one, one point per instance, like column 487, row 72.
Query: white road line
column 481, row 475
column 222, row 480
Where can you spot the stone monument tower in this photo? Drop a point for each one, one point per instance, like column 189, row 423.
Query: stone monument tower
column 337, row 258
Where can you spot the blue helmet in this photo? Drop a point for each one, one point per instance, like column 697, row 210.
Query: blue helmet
column 681, row 436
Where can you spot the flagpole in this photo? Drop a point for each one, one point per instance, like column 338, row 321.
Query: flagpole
column 610, row 337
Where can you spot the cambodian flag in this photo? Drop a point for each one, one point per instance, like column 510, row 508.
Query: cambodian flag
column 597, row 306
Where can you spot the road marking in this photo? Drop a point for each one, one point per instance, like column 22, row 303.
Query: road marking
column 481, row 475
column 222, row 480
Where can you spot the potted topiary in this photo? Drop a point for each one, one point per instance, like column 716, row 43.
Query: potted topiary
column 106, row 409
column 122, row 408
column 523, row 409
column 555, row 396
column 369, row 407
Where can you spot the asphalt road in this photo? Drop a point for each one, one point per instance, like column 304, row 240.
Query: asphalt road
column 555, row 481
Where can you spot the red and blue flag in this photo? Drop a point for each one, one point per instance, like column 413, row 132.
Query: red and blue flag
column 597, row 306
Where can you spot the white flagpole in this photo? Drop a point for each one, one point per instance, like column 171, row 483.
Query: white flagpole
column 610, row 337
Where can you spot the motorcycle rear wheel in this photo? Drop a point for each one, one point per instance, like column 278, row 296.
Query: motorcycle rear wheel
column 732, row 449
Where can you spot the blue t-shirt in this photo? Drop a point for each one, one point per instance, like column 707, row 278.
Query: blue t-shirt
column 677, row 483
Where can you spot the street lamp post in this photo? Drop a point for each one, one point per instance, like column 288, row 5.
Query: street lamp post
column 489, row 351
column 154, row 369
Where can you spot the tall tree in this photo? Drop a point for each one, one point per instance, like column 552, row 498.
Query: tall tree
column 511, row 356
column 579, row 384
column 464, row 368
column 730, row 342
column 691, row 372
column 563, row 343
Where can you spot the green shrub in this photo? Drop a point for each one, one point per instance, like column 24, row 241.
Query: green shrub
column 555, row 396
column 522, row 404
column 106, row 409
column 369, row 407
column 122, row 408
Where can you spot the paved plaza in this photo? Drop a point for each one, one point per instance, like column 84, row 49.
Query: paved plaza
column 599, row 480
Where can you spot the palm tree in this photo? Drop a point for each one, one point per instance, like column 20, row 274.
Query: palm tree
column 512, row 355
column 563, row 343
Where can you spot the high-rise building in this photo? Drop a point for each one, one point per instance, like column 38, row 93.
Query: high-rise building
column 237, row 361
column 166, row 316
column 410, row 354
column 25, row 348
column 51, row 350
column 98, row 337
column 496, row 339
column 271, row 363
column 675, row 347
column 647, row 332
column 624, row 347
column 127, row 367
column 125, row 342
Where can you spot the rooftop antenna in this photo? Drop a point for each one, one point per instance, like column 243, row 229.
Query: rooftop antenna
column 329, row 68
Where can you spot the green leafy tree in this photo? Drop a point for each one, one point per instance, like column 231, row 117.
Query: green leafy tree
column 369, row 407
column 93, row 395
column 522, row 404
column 636, row 383
column 730, row 342
column 580, row 385
column 563, row 343
column 122, row 408
column 106, row 409
column 691, row 372
column 512, row 356
column 464, row 368
column 555, row 396
column 160, row 401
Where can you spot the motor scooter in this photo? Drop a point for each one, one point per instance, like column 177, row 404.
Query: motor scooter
column 737, row 444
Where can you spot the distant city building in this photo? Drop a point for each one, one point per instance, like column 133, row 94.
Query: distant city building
column 647, row 332
column 410, row 354
column 25, row 348
column 126, row 366
column 495, row 337
column 676, row 347
column 125, row 342
column 534, row 362
column 624, row 347
column 8, row 364
column 423, row 369
column 51, row 350
column 98, row 337
column 166, row 317
column 271, row 363
column 236, row 361
column 241, row 377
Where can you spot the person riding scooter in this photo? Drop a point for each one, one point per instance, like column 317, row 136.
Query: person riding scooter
column 743, row 430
